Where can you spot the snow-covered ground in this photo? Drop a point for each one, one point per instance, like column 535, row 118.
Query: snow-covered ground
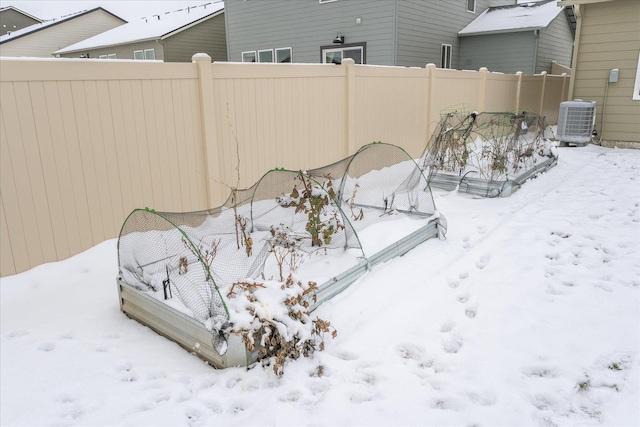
column 528, row 314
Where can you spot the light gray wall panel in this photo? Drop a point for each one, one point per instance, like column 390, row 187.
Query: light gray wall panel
column 555, row 44
column 305, row 25
column 506, row 53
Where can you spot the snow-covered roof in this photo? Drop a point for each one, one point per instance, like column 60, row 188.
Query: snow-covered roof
column 153, row 27
column 46, row 24
column 518, row 17
column 2, row 9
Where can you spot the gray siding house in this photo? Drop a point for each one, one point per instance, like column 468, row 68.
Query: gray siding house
column 42, row 39
column 14, row 19
column 525, row 37
column 171, row 37
column 383, row 32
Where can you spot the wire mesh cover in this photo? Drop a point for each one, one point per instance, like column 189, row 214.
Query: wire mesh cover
column 197, row 255
column 492, row 146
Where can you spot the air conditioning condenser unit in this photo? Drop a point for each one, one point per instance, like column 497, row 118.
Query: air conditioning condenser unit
column 575, row 122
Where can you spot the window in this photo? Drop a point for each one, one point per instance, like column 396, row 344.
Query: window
column 149, row 54
column 249, row 56
column 471, row 6
column 332, row 55
column 109, row 56
column 283, row 55
column 445, row 57
column 265, row 55
column 636, row 87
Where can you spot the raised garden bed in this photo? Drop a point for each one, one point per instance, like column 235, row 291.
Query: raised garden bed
column 181, row 273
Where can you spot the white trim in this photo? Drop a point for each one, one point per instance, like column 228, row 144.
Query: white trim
column 255, row 55
column 636, row 87
column 326, row 1
column 444, row 59
column 342, row 50
column 475, row 6
column 275, row 58
column 266, row 50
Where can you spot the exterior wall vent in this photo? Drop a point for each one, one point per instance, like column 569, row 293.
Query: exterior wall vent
column 575, row 122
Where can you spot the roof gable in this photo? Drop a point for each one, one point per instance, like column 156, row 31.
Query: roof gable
column 149, row 28
column 22, row 12
column 48, row 24
column 512, row 18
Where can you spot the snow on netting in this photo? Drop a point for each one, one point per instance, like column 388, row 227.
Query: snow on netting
column 490, row 146
column 198, row 256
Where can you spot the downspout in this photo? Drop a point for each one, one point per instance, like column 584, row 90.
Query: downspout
column 536, row 35
column 395, row 33
column 576, row 44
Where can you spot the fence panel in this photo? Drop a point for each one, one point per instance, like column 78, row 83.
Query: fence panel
column 82, row 143
column 278, row 116
column 391, row 106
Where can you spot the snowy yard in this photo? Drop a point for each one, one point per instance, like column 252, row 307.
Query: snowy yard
column 528, row 314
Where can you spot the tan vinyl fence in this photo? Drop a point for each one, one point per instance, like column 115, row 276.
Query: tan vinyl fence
column 84, row 142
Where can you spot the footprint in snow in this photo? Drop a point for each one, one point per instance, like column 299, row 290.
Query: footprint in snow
column 447, row 326
column 46, row 346
column 125, row 373
column 410, row 351
column 540, row 372
column 483, row 261
column 452, row 344
column 482, row 229
column 463, row 297
column 471, row 311
column 17, row 334
column 194, row 417
column 453, row 283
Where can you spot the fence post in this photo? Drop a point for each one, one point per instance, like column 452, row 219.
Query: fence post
column 207, row 115
column 349, row 65
column 544, row 84
column 483, row 88
column 430, row 69
column 518, row 91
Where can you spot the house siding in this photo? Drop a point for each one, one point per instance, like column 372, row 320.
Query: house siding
column 506, row 53
column 549, row 47
column 12, row 20
column 48, row 40
column 610, row 39
column 422, row 28
column 207, row 37
column 307, row 25
column 124, row 51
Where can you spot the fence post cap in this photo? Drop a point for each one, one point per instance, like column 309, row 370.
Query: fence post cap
column 544, row 73
column 483, row 69
column 200, row 57
column 430, row 65
column 348, row 61
column 518, row 73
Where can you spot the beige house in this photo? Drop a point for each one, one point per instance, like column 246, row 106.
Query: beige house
column 170, row 37
column 13, row 19
column 42, row 39
column 606, row 66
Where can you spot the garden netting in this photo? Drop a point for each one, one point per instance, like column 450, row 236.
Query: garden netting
column 490, row 147
column 197, row 256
